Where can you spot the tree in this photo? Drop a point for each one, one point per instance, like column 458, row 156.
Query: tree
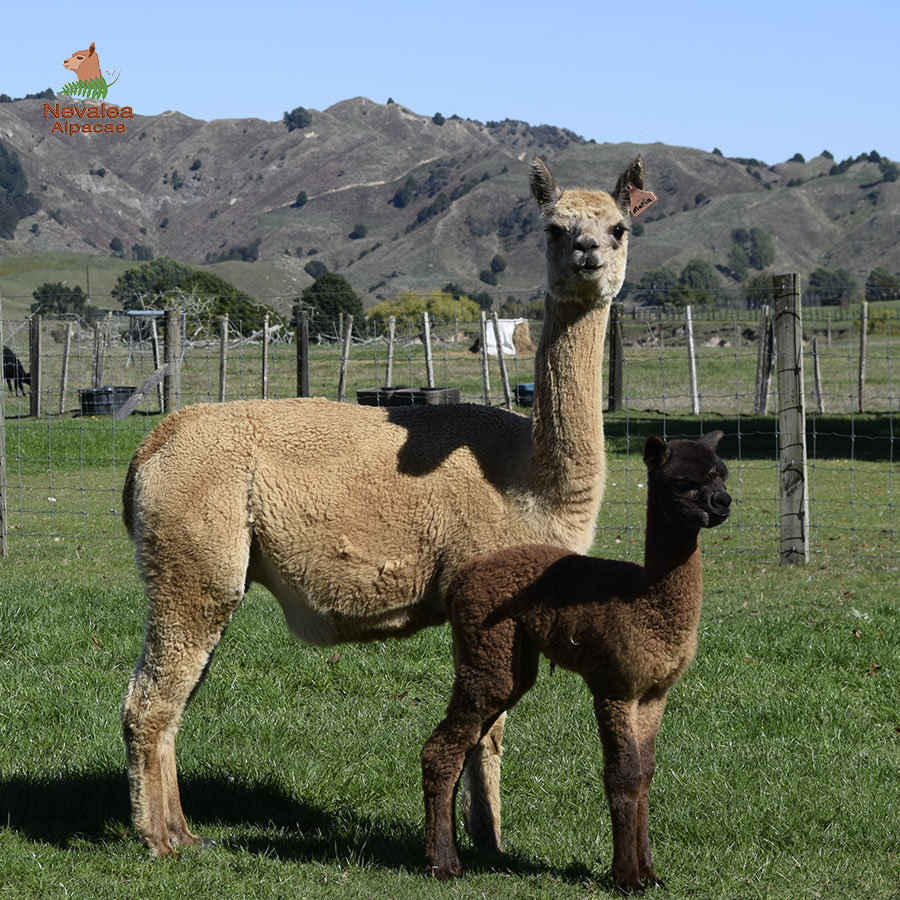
column 117, row 246
column 297, row 118
column 403, row 195
column 762, row 249
column 882, row 284
column 58, row 299
column 15, row 201
column 829, row 287
column 759, row 290
column 213, row 296
column 329, row 296
column 738, row 262
column 300, row 201
column 655, row 286
column 498, row 263
column 698, row 285
column 315, row 268
column 408, row 307
column 488, row 276
column 359, row 231
column 141, row 253
column 146, row 285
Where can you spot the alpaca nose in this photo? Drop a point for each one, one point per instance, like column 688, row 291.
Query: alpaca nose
column 587, row 255
column 721, row 500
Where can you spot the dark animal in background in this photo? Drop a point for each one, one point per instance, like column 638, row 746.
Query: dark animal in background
column 14, row 372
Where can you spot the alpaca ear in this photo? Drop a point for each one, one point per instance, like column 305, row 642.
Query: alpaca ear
column 712, row 439
column 656, row 452
column 92, row 49
column 543, row 184
column 634, row 174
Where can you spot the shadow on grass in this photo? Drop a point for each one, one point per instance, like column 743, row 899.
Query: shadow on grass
column 866, row 437
column 94, row 808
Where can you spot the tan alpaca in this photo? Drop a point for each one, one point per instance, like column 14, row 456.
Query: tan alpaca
column 629, row 631
column 355, row 517
column 84, row 63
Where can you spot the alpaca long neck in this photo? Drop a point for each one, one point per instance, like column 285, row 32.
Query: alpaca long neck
column 568, row 463
column 672, row 569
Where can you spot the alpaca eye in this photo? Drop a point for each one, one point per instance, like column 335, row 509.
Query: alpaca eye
column 618, row 231
column 555, row 231
column 683, row 486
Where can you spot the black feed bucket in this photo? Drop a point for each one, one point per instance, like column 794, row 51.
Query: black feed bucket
column 103, row 401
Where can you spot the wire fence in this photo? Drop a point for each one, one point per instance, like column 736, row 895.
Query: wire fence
column 66, row 453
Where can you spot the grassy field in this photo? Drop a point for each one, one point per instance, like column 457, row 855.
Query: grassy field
column 779, row 757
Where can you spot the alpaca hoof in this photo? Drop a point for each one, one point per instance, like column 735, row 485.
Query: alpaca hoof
column 444, row 871
column 206, row 843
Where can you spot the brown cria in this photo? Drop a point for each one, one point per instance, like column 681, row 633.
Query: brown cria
column 356, row 517
column 630, row 631
column 84, row 63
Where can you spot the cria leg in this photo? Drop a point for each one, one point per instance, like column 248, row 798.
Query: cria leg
column 623, row 782
column 481, row 789
column 182, row 633
column 649, row 715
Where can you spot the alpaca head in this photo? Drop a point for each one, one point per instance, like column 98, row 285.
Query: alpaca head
column 587, row 235
column 687, row 481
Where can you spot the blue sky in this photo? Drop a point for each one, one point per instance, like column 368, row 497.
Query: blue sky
column 758, row 79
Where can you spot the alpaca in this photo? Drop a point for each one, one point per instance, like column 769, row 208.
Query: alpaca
column 629, row 631
column 14, row 372
column 84, row 63
column 355, row 517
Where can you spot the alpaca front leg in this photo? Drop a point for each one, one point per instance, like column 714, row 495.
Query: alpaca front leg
column 622, row 781
column 649, row 712
column 481, row 790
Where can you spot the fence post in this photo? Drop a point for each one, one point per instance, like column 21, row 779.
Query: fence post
column 34, row 351
column 389, row 374
column 504, row 376
column 817, row 374
column 692, row 359
column 616, row 357
column 345, row 353
column 265, row 357
column 223, row 356
column 172, row 350
column 863, row 339
column 426, row 339
column 485, row 371
column 303, row 354
column 64, row 377
column 154, row 347
column 794, row 500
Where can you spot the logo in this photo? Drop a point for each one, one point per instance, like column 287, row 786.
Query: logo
column 91, row 85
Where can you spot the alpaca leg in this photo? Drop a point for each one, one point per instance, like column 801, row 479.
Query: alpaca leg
column 649, row 713
column 175, row 656
column 442, row 762
column 622, row 781
column 481, row 789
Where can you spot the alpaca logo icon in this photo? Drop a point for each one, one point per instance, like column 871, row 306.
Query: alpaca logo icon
column 90, row 84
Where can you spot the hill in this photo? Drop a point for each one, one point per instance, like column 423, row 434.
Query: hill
column 394, row 200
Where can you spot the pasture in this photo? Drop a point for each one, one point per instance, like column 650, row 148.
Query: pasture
column 778, row 759
column 779, row 754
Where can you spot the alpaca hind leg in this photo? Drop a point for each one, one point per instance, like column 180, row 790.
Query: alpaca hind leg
column 649, row 715
column 481, row 789
column 442, row 761
column 176, row 654
column 622, row 781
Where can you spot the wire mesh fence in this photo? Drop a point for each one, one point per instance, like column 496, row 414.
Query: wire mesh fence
column 66, row 453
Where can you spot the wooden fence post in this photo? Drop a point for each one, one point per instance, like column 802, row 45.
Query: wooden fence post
column 64, row 376
column 616, row 358
column 426, row 340
column 303, row 354
column 172, row 350
column 223, row 356
column 265, row 357
column 692, row 360
column 34, row 351
column 817, row 374
column 504, row 375
column 863, row 348
column 794, row 500
column 157, row 362
column 389, row 373
column 345, row 354
column 485, row 371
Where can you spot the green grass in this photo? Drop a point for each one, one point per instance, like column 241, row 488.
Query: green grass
column 778, row 755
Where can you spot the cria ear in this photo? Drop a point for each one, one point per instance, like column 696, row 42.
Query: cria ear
column 634, row 174
column 712, row 439
column 656, row 452
column 543, row 184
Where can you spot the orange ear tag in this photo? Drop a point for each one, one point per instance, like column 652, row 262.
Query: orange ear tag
column 639, row 200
